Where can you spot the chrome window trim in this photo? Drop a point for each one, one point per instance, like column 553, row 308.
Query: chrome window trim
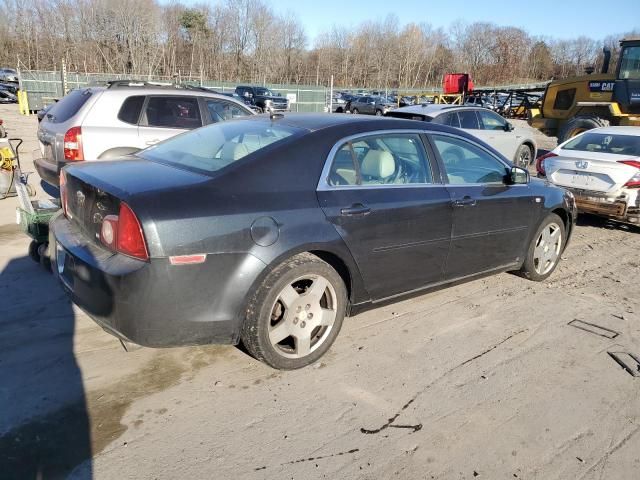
column 323, row 183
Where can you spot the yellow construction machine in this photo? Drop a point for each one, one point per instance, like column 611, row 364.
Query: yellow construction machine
column 573, row 105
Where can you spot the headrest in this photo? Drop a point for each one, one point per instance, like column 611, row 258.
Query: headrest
column 234, row 151
column 378, row 164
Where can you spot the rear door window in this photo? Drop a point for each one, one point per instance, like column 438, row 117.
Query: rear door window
column 130, row 110
column 173, row 112
column 387, row 159
column 468, row 119
column 450, row 119
column 68, row 105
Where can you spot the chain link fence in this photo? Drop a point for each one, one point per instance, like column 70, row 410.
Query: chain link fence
column 45, row 87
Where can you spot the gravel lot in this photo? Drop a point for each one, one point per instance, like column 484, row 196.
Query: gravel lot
column 485, row 380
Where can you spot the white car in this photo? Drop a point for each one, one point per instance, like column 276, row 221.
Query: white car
column 516, row 144
column 601, row 167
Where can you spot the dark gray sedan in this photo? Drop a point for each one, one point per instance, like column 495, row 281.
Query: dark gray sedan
column 269, row 230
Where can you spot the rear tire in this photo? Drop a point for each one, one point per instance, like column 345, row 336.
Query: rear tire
column 543, row 254
column 354, row 111
column 296, row 314
column 579, row 124
column 524, row 156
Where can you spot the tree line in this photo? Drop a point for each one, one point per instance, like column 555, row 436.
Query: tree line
column 247, row 41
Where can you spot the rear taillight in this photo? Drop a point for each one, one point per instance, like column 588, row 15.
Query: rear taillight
column 540, row 162
column 122, row 233
column 63, row 193
column 73, row 145
column 634, row 182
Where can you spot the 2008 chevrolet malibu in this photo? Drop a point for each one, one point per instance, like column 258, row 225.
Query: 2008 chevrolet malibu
column 270, row 230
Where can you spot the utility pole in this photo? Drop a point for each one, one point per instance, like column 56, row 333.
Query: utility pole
column 331, row 95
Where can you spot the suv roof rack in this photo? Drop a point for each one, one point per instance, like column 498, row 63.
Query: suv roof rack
column 139, row 83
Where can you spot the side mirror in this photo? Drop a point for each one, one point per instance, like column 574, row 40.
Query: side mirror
column 246, row 94
column 519, row 176
column 508, row 127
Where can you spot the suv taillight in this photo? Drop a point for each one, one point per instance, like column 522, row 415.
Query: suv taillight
column 63, row 192
column 540, row 162
column 73, row 145
column 634, row 182
column 122, row 233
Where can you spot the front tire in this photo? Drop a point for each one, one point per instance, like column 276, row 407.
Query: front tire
column 543, row 254
column 355, row 111
column 296, row 313
column 378, row 113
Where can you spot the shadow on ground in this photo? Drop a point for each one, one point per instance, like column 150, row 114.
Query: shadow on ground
column 44, row 424
column 586, row 220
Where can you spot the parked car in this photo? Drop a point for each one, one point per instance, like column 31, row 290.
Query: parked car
column 602, row 168
column 98, row 123
column 371, row 105
column 338, row 104
column 269, row 231
column 263, row 98
column 517, row 144
column 43, row 111
column 9, row 86
column 8, row 75
column 483, row 101
column 7, row 97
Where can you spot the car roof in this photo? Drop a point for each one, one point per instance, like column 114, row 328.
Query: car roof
column 635, row 131
column 320, row 121
column 433, row 109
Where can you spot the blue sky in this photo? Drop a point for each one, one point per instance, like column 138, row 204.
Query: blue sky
column 554, row 18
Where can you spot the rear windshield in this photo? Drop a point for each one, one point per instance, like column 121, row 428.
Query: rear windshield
column 212, row 148
column 68, row 106
column 605, row 143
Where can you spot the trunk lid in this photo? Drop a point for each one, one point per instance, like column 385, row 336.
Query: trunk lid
column 95, row 189
column 592, row 171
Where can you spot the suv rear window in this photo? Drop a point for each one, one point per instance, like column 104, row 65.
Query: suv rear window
column 68, row 106
column 130, row 110
column 212, row 148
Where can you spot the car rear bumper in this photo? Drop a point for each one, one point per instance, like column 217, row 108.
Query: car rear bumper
column 153, row 304
column 615, row 207
column 48, row 171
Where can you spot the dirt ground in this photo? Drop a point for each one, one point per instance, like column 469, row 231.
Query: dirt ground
column 483, row 380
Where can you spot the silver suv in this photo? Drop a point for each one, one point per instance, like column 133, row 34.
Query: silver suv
column 100, row 123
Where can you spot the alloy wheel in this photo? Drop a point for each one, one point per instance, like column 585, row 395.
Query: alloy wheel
column 525, row 157
column 547, row 248
column 302, row 316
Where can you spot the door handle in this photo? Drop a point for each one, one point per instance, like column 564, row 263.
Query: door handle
column 465, row 202
column 152, row 142
column 355, row 209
